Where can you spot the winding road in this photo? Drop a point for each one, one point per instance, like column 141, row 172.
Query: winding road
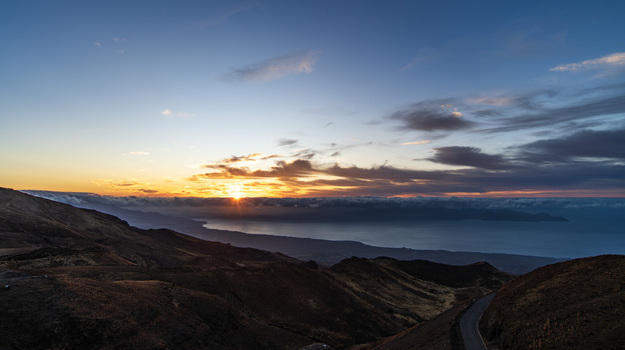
column 469, row 324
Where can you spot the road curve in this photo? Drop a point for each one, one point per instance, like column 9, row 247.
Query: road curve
column 469, row 324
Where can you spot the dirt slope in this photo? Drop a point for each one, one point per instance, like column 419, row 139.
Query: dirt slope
column 579, row 304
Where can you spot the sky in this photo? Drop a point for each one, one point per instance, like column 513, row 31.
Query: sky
column 313, row 98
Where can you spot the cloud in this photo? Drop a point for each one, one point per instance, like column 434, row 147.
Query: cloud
column 609, row 61
column 118, row 40
column 139, row 153
column 548, row 117
column 97, row 43
column 302, row 177
column 249, row 157
column 494, row 101
column 416, row 142
column 531, row 101
column 583, row 144
column 287, row 142
column 564, row 158
column 225, row 16
column 431, row 116
column 282, row 169
column 274, row 68
column 237, row 159
column 182, row 115
column 469, row 156
column 423, row 55
column 382, row 172
column 112, row 183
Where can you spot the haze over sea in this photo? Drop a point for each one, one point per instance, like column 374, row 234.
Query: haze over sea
column 553, row 227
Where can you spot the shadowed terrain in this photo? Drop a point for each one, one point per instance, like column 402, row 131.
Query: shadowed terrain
column 77, row 278
column 578, row 304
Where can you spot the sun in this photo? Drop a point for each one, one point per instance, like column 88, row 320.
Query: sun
column 235, row 191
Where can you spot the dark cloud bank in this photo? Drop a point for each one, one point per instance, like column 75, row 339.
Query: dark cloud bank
column 346, row 209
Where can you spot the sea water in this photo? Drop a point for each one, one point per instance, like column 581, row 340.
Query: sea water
column 581, row 235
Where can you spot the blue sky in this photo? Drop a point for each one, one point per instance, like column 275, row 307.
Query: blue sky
column 313, row 98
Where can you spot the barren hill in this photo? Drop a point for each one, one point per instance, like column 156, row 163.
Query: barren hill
column 78, row 278
column 578, row 304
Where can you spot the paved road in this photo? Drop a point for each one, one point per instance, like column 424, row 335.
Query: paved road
column 469, row 324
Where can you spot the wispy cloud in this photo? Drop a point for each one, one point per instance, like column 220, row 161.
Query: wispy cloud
column 274, row 68
column 249, row 158
column 493, row 100
column 287, row 142
column 416, row 143
column 424, row 55
column 139, row 153
column 116, row 183
column 225, row 15
column 613, row 60
column 549, row 117
column 183, row 115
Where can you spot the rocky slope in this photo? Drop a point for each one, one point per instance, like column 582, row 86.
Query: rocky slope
column 579, row 304
column 78, row 278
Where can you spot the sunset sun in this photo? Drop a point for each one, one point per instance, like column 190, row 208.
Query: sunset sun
column 236, row 191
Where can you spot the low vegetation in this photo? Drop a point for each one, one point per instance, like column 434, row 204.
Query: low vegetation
column 578, row 304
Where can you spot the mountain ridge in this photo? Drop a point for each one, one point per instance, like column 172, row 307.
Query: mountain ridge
column 92, row 281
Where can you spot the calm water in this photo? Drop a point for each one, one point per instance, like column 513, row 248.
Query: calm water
column 583, row 235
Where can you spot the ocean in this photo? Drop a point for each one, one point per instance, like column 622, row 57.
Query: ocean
column 586, row 233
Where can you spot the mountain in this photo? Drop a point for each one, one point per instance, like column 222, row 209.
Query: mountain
column 578, row 304
column 77, row 278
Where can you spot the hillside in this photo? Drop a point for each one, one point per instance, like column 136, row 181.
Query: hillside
column 78, row 278
column 578, row 304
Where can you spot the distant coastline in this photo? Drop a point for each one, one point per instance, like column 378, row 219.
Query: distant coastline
column 595, row 226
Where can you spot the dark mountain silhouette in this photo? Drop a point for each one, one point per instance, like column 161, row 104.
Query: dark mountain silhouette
column 77, row 278
column 578, row 304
